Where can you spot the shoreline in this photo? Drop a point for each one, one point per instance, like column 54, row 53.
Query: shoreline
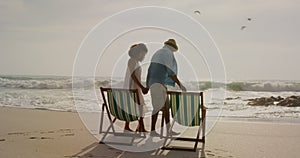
column 288, row 120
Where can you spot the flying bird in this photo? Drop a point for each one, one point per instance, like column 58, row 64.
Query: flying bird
column 249, row 19
column 243, row 27
column 197, row 12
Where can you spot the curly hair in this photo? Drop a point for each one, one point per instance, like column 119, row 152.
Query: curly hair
column 136, row 49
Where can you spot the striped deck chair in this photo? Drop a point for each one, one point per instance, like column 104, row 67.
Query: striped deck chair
column 123, row 105
column 187, row 109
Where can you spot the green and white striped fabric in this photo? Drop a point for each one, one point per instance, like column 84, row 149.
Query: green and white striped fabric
column 185, row 108
column 123, row 104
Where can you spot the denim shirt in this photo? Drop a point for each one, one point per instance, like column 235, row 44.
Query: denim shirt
column 163, row 65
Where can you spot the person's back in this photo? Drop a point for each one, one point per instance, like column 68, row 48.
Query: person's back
column 160, row 67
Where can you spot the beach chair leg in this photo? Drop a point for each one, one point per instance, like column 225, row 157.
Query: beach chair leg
column 203, row 134
column 133, row 137
column 101, row 119
column 104, row 107
column 171, row 127
column 111, row 126
column 197, row 137
column 169, row 135
column 203, row 128
column 162, row 125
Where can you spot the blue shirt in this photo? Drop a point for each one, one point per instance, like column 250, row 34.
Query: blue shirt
column 163, row 65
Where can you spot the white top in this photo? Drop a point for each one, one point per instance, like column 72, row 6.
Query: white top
column 133, row 66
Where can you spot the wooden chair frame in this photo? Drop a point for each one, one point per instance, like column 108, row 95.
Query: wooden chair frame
column 112, row 120
column 200, row 129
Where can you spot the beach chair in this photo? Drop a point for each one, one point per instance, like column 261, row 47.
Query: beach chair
column 123, row 105
column 187, row 109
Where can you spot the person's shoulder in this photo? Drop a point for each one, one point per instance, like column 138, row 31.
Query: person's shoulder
column 132, row 62
column 167, row 54
column 164, row 52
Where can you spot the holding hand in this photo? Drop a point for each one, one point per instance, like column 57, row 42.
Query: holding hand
column 145, row 90
column 175, row 79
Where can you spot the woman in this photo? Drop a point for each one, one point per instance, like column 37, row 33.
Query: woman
column 137, row 54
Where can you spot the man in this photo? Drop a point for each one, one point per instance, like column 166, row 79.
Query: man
column 162, row 72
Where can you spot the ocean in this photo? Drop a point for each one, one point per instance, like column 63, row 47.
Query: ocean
column 82, row 94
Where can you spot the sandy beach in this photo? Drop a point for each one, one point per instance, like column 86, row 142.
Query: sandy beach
column 30, row 133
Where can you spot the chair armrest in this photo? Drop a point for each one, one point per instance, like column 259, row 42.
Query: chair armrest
column 203, row 111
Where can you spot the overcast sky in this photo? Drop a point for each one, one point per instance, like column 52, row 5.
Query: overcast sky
column 42, row 37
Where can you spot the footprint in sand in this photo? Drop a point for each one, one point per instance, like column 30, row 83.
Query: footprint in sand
column 221, row 150
column 16, row 133
column 209, row 154
column 2, row 140
column 40, row 137
column 47, row 132
column 33, row 138
column 46, row 138
column 65, row 130
column 70, row 134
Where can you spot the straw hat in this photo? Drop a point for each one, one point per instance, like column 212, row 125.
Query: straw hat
column 172, row 43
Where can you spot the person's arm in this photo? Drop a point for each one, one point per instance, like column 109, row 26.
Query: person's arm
column 134, row 78
column 169, row 64
column 176, row 80
column 131, row 66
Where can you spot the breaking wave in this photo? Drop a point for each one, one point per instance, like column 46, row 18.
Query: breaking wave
column 50, row 82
